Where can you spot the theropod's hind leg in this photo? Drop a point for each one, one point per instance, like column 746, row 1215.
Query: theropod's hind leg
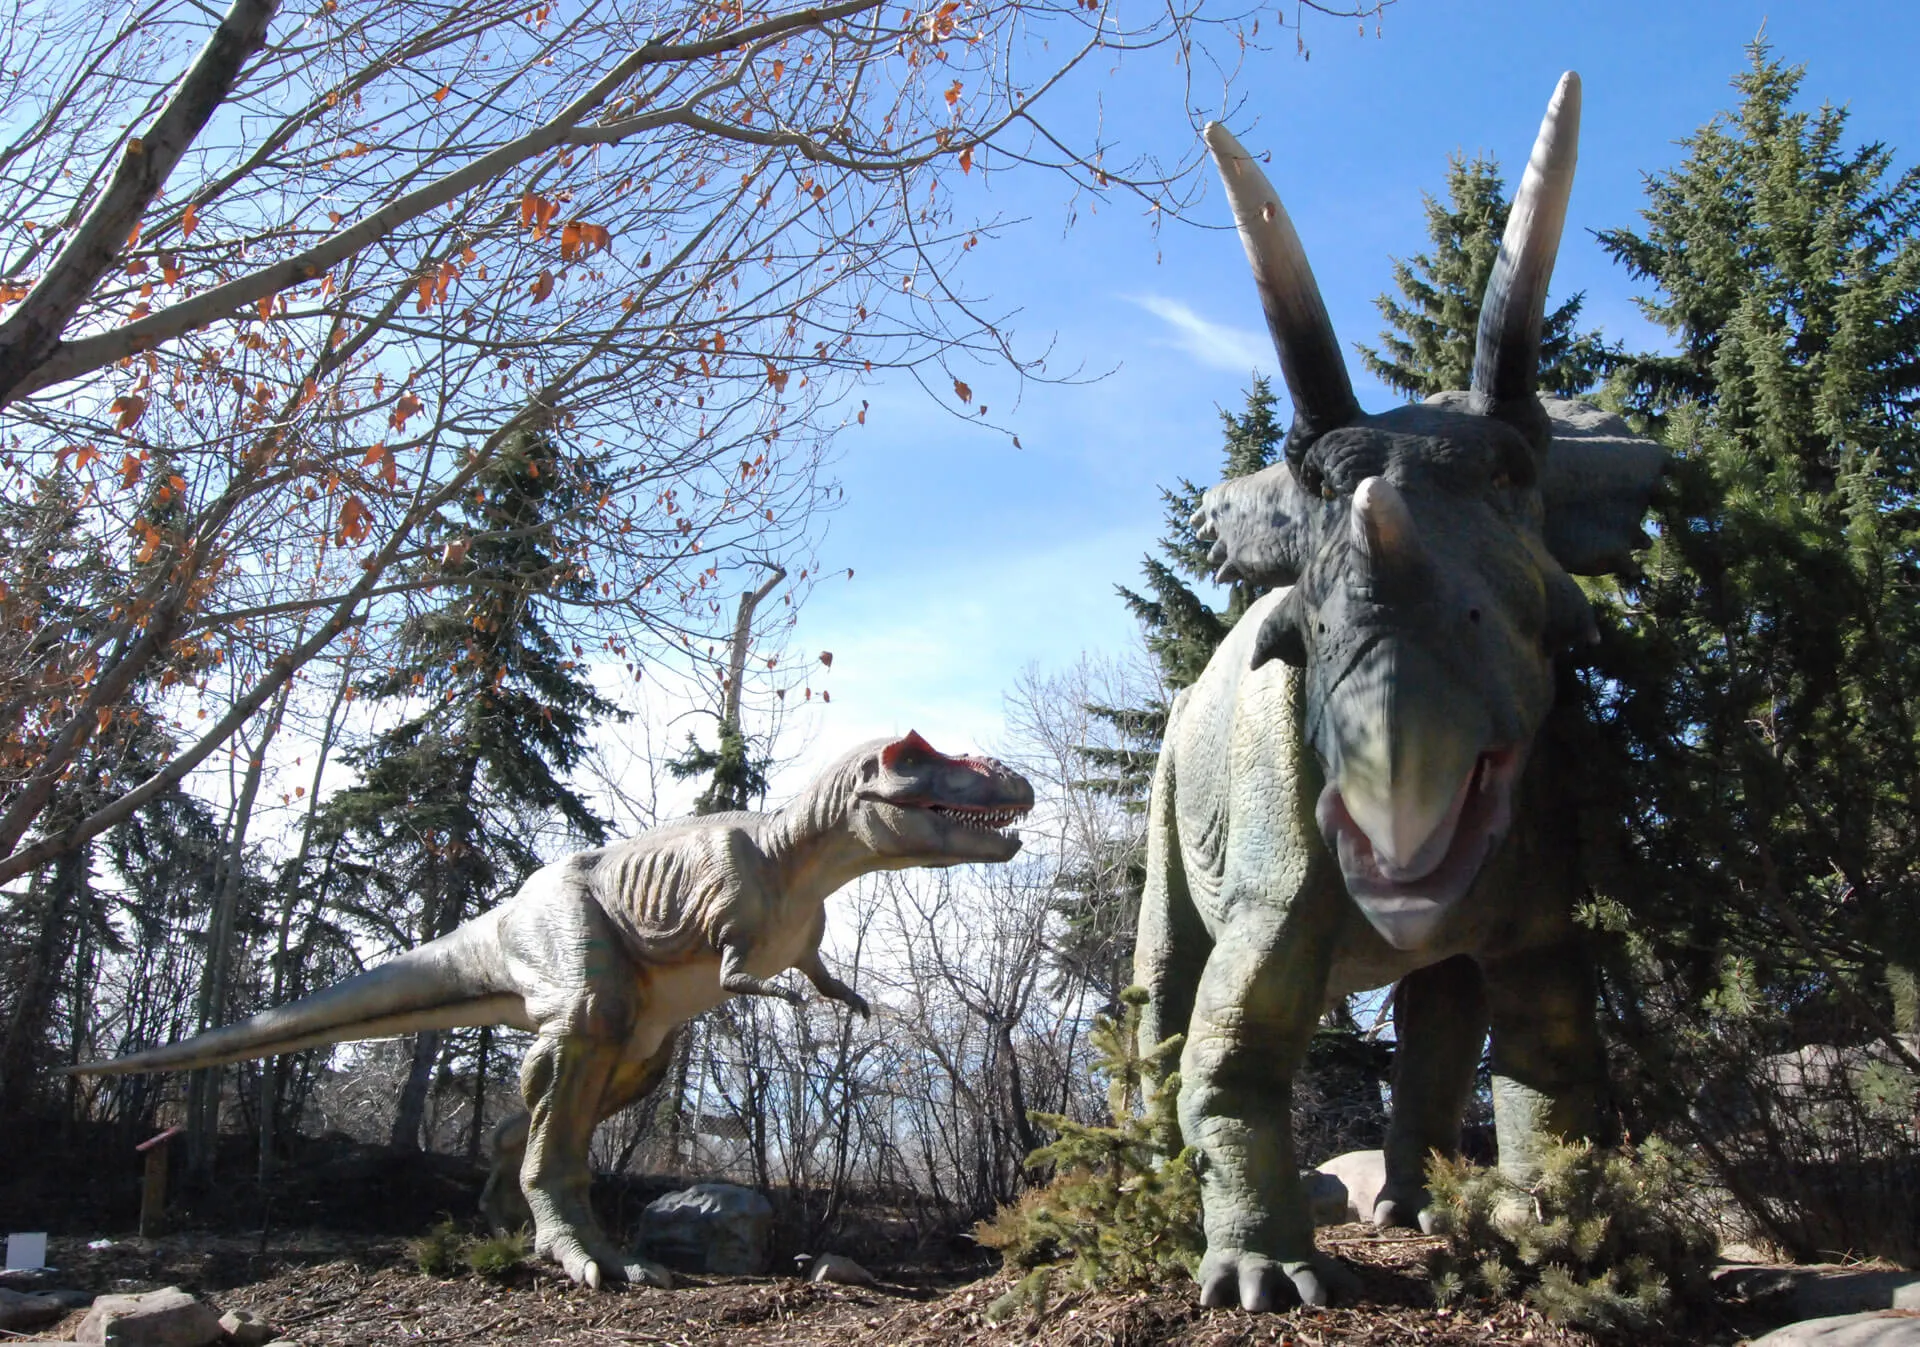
column 581, row 993
column 501, row 1201
column 633, row 1080
column 1440, row 1022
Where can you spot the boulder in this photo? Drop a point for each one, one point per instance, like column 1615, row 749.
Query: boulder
column 1326, row 1198
column 1360, row 1176
column 164, row 1318
column 837, row 1267
column 1819, row 1291
column 246, row 1328
column 23, row 1311
column 1882, row 1328
column 710, row 1227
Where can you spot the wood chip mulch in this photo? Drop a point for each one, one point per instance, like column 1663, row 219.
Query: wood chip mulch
column 324, row 1290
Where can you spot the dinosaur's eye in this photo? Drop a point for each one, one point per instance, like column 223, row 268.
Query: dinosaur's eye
column 1326, row 489
column 1502, row 480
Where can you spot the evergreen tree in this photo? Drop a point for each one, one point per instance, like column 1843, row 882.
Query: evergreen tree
column 1429, row 348
column 439, row 820
column 1760, row 685
column 1098, row 895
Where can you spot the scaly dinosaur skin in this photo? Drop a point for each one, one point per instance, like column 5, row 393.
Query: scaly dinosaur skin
column 1354, row 792
column 603, row 955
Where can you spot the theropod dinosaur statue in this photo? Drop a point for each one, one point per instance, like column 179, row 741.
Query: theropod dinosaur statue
column 605, row 954
column 1353, row 792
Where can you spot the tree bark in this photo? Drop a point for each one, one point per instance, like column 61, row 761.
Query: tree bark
column 31, row 336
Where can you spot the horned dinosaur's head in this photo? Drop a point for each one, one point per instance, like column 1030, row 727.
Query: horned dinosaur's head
column 1429, row 550
column 914, row 804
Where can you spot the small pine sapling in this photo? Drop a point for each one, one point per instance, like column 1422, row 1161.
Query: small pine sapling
column 497, row 1255
column 437, row 1253
column 1600, row 1242
column 1123, row 1207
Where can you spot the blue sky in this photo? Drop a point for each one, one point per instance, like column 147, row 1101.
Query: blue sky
column 974, row 560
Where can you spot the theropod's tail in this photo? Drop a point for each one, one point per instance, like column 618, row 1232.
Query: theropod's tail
column 444, row 984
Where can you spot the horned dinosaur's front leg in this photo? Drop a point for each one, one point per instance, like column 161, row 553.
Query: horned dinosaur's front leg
column 832, row 987
column 1549, row 1068
column 1440, row 1025
column 1259, row 999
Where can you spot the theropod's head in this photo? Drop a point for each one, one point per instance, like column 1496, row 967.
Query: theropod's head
column 1429, row 551
column 915, row 805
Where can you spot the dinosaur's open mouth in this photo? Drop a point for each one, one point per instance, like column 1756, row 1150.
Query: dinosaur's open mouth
column 998, row 819
column 1405, row 902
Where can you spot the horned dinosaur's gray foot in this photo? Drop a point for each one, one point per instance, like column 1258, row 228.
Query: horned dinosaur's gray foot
column 1405, row 1210
column 1256, row 1282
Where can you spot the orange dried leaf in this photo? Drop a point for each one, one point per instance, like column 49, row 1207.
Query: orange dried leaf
column 542, row 285
column 128, row 408
column 407, row 407
column 966, row 160
column 441, row 95
column 189, row 220
column 355, row 521
column 961, row 391
column 130, row 470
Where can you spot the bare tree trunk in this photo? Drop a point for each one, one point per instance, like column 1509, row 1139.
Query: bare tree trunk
column 203, row 1090
column 476, row 1128
column 412, row 1111
column 272, row 1070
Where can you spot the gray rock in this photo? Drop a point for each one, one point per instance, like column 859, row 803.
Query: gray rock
column 22, row 1311
column 1360, row 1174
column 69, row 1299
column 710, row 1227
column 246, row 1328
column 165, row 1318
column 1882, row 1328
column 1819, row 1291
column 1326, row 1197
column 837, row 1267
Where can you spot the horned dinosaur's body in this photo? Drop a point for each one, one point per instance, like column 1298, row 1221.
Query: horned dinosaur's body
column 1372, row 805
column 603, row 955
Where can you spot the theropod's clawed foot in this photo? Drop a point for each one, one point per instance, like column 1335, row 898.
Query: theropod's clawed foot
column 590, row 1259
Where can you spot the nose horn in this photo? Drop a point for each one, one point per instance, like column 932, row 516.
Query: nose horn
column 1384, row 533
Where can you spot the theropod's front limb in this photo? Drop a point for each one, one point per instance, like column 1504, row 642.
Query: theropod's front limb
column 832, row 987
column 736, row 979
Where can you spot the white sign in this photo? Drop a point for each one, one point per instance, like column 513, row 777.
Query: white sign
column 25, row 1251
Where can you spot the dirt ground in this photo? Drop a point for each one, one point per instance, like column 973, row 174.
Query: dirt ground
column 326, row 1289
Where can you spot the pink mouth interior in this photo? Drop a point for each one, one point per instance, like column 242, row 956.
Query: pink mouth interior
column 1447, row 862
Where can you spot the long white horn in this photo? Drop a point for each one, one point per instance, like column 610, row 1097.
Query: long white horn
column 1506, row 360
column 1310, row 358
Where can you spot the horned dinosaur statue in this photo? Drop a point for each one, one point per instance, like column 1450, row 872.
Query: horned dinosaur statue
column 604, row 954
column 1375, row 803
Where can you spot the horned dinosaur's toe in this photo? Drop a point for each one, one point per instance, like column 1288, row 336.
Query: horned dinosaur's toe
column 1258, row 1283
